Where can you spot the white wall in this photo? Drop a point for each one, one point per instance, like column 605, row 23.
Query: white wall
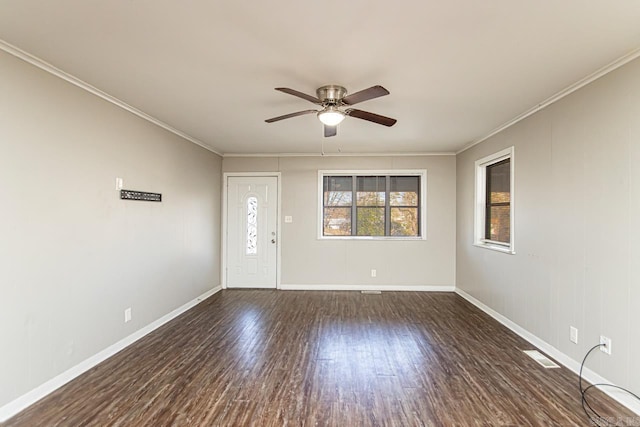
column 577, row 223
column 72, row 255
column 309, row 261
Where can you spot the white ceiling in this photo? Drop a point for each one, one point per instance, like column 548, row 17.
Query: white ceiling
column 456, row 69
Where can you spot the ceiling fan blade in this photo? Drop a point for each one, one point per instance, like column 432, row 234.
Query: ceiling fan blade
column 375, row 118
column 300, row 95
column 365, row 95
column 330, row 131
column 288, row 116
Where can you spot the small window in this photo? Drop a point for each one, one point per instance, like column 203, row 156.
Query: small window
column 494, row 201
column 372, row 204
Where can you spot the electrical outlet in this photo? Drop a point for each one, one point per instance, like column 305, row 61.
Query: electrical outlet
column 119, row 183
column 573, row 335
column 606, row 347
column 374, row 273
column 127, row 315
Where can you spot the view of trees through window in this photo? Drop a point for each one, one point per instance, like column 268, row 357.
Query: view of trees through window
column 338, row 199
column 498, row 202
column 371, row 205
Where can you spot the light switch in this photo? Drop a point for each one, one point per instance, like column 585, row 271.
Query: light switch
column 288, row 219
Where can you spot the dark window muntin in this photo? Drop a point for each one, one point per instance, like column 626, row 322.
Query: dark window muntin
column 488, row 203
column 387, row 202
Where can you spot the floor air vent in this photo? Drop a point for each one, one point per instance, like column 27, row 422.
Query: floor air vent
column 541, row 359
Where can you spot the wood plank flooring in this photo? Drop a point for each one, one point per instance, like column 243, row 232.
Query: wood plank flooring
column 293, row 358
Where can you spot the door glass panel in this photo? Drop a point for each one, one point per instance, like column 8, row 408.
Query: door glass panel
column 252, row 226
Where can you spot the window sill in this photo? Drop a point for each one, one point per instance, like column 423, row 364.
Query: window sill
column 495, row 247
column 369, row 238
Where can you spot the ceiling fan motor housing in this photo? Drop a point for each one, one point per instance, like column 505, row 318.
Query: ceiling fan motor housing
column 331, row 94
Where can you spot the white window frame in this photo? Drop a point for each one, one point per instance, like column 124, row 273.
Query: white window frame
column 480, row 201
column 422, row 173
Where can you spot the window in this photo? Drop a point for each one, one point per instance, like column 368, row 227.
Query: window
column 494, row 201
column 372, row 204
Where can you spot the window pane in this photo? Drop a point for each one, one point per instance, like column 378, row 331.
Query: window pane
column 498, row 210
column 370, row 198
column 337, row 221
column 371, row 183
column 404, row 221
column 338, row 183
column 338, row 190
column 371, row 190
column 338, row 198
column 405, row 183
column 404, row 190
column 499, row 182
column 403, row 198
column 499, row 223
column 370, row 222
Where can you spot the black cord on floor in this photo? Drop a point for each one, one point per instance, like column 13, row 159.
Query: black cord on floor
column 586, row 407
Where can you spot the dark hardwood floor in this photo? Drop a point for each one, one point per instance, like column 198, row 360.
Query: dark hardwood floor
column 275, row 358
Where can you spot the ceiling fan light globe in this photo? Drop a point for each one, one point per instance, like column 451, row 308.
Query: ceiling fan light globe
column 331, row 117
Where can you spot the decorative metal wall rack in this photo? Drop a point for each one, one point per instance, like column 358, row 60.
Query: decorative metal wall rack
column 140, row 195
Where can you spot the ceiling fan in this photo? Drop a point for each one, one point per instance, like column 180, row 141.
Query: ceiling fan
column 331, row 98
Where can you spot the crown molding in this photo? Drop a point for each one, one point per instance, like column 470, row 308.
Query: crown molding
column 445, row 153
column 45, row 66
column 625, row 59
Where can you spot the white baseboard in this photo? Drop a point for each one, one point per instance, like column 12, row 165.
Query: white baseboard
column 573, row 365
column 12, row 408
column 337, row 287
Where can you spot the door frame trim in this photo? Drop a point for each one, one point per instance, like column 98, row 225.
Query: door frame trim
column 223, row 233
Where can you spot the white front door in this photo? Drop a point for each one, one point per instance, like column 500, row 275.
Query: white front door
column 252, row 218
